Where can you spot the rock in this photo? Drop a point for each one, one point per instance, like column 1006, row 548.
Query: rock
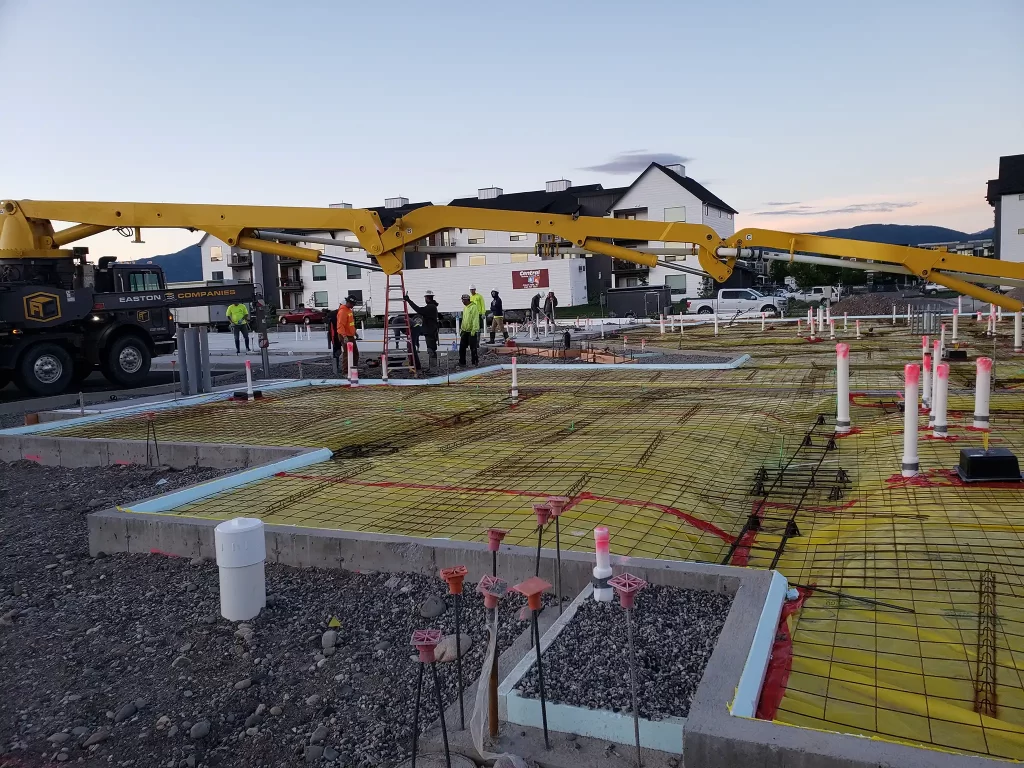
column 59, row 738
column 181, row 661
column 80, row 731
column 673, row 762
column 276, row 711
column 313, row 754
column 95, row 504
column 196, row 561
column 200, row 730
column 190, row 761
column 330, row 651
column 313, row 700
column 320, row 663
column 383, row 645
column 318, row 735
column 392, row 583
column 252, row 731
column 445, row 650
column 172, row 731
column 571, row 737
column 128, row 710
column 163, row 722
column 331, row 754
column 17, row 590
column 261, row 709
column 187, row 694
column 345, row 690
column 433, row 607
column 99, row 737
column 329, row 639
column 241, row 685
column 209, row 619
column 252, row 720
column 62, row 757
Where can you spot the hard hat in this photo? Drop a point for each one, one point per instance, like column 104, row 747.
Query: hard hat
column 472, row 286
column 428, row 293
column 465, row 295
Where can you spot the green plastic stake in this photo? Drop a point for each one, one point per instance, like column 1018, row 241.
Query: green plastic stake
column 348, row 422
column 572, row 426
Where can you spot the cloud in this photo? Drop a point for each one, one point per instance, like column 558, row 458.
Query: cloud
column 636, row 160
column 791, row 202
column 810, row 210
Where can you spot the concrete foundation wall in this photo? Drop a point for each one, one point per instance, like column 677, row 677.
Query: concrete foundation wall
column 91, row 452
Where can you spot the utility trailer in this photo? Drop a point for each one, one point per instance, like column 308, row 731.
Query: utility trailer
column 63, row 318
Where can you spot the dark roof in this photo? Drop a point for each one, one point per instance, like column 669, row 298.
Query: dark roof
column 694, row 187
column 539, row 201
column 1011, row 178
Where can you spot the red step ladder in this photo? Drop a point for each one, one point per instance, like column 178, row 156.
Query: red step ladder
column 398, row 357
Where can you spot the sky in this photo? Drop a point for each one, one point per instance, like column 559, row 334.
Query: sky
column 801, row 115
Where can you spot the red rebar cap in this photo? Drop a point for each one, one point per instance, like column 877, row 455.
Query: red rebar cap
column 533, row 588
column 543, row 512
column 454, row 577
column 425, row 641
column 494, row 537
column 493, row 589
column 149, row 415
column 627, row 585
column 557, row 504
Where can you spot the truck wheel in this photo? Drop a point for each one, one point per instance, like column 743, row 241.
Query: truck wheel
column 127, row 361
column 705, row 311
column 770, row 310
column 45, row 369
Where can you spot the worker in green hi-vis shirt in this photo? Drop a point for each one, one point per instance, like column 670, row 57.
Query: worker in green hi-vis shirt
column 238, row 316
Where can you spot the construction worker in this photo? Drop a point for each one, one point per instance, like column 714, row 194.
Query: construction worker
column 428, row 330
column 469, row 330
column 238, row 316
column 345, row 332
column 535, row 309
column 497, row 317
column 550, row 303
column 477, row 299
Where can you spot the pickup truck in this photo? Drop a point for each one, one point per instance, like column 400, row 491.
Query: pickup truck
column 742, row 301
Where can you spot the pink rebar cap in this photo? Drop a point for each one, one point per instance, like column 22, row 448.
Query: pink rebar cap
column 493, row 589
column 494, row 537
column 425, row 641
column 627, row 585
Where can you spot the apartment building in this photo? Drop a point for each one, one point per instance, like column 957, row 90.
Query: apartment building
column 1006, row 196
column 517, row 264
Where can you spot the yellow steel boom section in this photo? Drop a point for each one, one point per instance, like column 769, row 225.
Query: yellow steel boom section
column 26, row 231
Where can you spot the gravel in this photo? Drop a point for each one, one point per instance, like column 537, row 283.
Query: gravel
column 80, row 652
column 674, row 632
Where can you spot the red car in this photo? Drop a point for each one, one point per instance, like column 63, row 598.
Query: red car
column 302, row 316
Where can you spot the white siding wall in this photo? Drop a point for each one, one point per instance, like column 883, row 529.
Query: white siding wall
column 567, row 278
column 209, row 267
column 1011, row 221
column 723, row 225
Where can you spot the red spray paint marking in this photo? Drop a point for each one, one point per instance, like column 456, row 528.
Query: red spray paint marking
column 781, row 662
column 696, row 522
column 853, row 431
column 34, row 457
column 945, row 478
column 856, row 399
column 161, row 552
column 741, row 555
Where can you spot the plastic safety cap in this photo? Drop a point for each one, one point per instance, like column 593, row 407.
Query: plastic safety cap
column 240, row 542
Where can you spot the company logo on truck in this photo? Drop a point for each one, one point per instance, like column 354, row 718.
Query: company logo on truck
column 42, row 306
column 136, row 298
column 206, row 293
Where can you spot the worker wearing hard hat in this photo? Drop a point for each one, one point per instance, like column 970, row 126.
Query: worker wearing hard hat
column 428, row 330
column 469, row 336
column 345, row 333
column 477, row 299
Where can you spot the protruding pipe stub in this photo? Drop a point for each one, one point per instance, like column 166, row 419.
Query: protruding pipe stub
column 494, row 537
column 454, row 576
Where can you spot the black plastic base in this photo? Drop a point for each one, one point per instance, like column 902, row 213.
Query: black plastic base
column 995, row 464
column 956, row 354
column 243, row 395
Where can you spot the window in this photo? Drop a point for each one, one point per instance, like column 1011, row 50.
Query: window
column 477, row 260
column 319, row 272
column 357, row 295
column 706, row 209
column 442, row 261
column 476, row 236
column 216, row 275
column 731, row 294
column 516, row 236
column 676, row 282
column 319, row 298
column 216, row 253
column 519, row 258
column 353, row 273
column 149, row 281
column 675, row 214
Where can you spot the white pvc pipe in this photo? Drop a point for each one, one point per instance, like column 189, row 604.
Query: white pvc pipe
column 762, row 322
column 1017, row 332
column 942, row 340
column 832, row 329
column 982, row 384
column 810, row 322
column 846, row 320
column 940, row 429
column 603, row 568
column 936, row 357
column 925, row 349
column 999, row 313
column 799, row 327
column 956, row 322
column 353, row 376
column 515, row 380
column 857, row 324
column 842, row 388
column 894, row 314
column 926, row 380
column 662, row 321
column 908, row 315
column 959, row 304
column 911, row 465
column 248, row 380
column 384, row 367
column 241, row 554
column 716, row 323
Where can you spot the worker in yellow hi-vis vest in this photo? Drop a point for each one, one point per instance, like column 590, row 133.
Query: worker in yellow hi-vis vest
column 238, row 316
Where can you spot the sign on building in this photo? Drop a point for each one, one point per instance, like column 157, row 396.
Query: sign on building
column 530, row 278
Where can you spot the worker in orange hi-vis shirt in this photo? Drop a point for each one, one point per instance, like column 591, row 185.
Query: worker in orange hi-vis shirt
column 345, row 331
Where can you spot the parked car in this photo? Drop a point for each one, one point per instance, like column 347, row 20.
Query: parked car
column 744, row 301
column 301, row 316
column 932, row 289
column 818, row 294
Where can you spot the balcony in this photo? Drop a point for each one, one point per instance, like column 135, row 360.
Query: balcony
column 292, row 284
column 620, row 266
column 241, row 260
column 287, row 260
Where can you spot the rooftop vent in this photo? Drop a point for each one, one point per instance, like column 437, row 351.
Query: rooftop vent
column 395, row 202
column 680, row 169
column 557, row 186
column 340, row 205
column 488, row 193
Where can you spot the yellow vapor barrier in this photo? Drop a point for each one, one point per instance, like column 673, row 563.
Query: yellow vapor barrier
column 899, row 632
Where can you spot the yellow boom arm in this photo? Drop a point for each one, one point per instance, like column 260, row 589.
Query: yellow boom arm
column 26, row 231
